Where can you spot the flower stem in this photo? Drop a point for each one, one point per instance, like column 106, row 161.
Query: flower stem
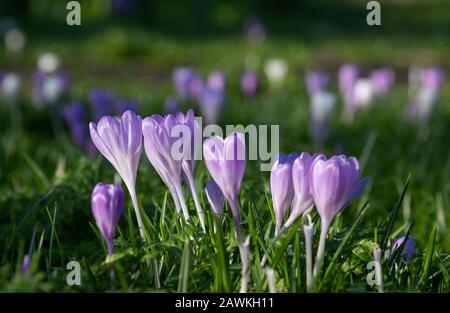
column 182, row 200
column 237, row 221
column 138, row 212
column 198, row 207
column 325, row 225
column 308, row 231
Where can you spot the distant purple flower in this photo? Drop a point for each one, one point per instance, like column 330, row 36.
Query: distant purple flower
column 281, row 187
column 107, row 203
column 120, row 142
column 211, row 105
column 26, row 263
column 123, row 105
column 182, row 77
column 196, row 87
column 433, row 78
column 101, row 102
column 347, row 76
column 316, row 81
column 382, row 80
column 408, row 249
column 301, row 182
column 225, row 161
column 215, row 197
column 73, row 115
column 249, row 83
column 48, row 88
column 217, row 80
column 254, row 29
column 158, row 144
column 171, row 106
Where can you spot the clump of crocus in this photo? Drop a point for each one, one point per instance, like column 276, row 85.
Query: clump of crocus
column 225, row 160
column 10, row 86
column 408, row 250
column 426, row 94
column 334, row 184
column 281, row 187
column 120, row 142
column 107, row 203
column 215, row 197
column 158, row 143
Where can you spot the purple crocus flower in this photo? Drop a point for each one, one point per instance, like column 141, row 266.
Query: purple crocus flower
column 120, row 142
column 73, row 115
column 281, row 187
column 211, row 105
column 158, row 143
column 101, row 102
column 433, row 78
column 123, row 105
column 225, row 160
column 249, row 83
column 215, row 197
column 190, row 128
column 334, row 184
column 217, row 80
column 382, row 80
column 316, row 81
column 196, row 86
column 26, row 263
column 303, row 200
column 107, row 203
column 408, row 249
column 347, row 76
column 171, row 106
column 181, row 78
column 254, row 29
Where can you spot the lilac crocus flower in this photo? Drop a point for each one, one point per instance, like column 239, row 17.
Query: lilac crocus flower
column 409, row 247
column 303, row 200
column 433, row 78
column 334, row 184
column 101, row 102
column 316, row 81
column 347, row 76
column 158, row 144
column 215, row 197
column 192, row 146
column 382, row 80
column 73, row 116
column 120, row 142
column 123, row 105
column 225, row 160
column 281, row 187
column 187, row 82
column 249, row 83
column 217, row 80
column 107, row 203
column 26, row 263
column 211, row 105
column 171, row 106
column 196, row 86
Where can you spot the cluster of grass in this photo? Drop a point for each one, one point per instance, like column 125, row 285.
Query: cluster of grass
column 45, row 182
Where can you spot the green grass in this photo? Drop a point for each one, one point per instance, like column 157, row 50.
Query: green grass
column 45, row 182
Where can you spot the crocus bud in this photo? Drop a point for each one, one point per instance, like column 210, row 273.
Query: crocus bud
column 281, row 187
column 382, row 80
column 409, row 247
column 316, row 81
column 334, row 184
column 302, row 201
column 107, row 202
column 249, row 83
column 26, row 263
column 215, row 197
column 225, row 160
